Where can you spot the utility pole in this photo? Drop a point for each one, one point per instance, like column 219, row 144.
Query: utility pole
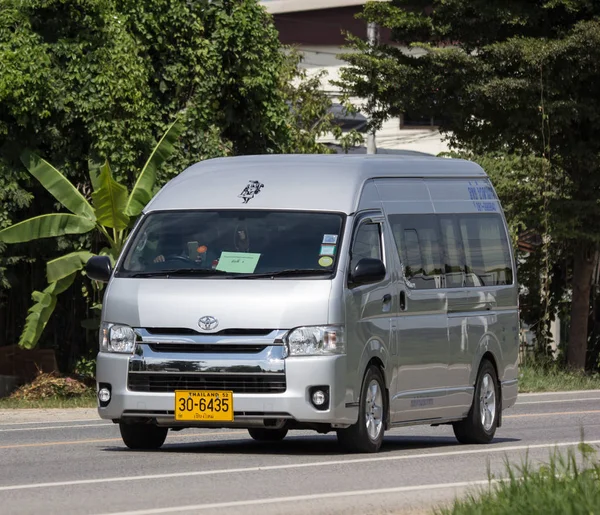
column 373, row 37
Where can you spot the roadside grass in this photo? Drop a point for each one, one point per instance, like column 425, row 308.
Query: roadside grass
column 568, row 484
column 84, row 401
column 539, row 377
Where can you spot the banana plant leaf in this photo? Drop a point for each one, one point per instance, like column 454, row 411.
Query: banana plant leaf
column 58, row 185
column 110, row 201
column 46, row 226
column 66, row 265
column 40, row 312
column 94, row 167
column 142, row 192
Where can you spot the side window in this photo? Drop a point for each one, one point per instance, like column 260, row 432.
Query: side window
column 367, row 243
column 454, row 258
column 486, row 250
column 418, row 243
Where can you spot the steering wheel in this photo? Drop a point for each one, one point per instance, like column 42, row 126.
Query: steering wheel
column 175, row 257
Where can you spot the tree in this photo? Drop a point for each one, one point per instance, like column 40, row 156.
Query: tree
column 516, row 78
column 101, row 80
column 111, row 213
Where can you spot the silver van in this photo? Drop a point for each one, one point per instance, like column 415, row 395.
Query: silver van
column 325, row 292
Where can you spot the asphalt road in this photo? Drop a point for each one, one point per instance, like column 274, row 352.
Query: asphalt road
column 72, row 462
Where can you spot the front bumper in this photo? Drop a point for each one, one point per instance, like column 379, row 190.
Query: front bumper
column 250, row 409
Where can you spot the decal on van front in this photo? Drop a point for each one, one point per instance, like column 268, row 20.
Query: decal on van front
column 251, row 190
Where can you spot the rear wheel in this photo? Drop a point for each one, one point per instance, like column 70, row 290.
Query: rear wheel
column 143, row 436
column 267, row 435
column 482, row 420
column 367, row 434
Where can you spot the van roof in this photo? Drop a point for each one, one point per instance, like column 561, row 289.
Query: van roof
column 307, row 182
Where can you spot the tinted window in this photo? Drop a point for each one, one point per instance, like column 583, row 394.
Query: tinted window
column 367, row 244
column 234, row 242
column 418, row 242
column 486, row 250
column 454, row 259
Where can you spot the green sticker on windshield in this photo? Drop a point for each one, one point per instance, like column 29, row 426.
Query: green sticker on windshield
column 238, row 262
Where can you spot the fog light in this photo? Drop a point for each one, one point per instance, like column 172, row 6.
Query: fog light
column 104, row 395
column 319, row 398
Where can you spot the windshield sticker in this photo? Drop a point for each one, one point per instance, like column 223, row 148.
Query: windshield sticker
column 327, row 250
column 330, row 238
column 326, row 261
column 238, row 262
column 251, row 190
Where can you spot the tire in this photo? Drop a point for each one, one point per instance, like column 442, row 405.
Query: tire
column 366, row 436
column 143, row 436
column 267, row 435
column 482, row 421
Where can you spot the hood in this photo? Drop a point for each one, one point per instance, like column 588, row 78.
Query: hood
column 235, row 303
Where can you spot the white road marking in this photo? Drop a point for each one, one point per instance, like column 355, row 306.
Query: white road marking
column 312, row 497
column 485, row 450
column 109, row 424
column 559, row 400
column 564, row 392
column 50, row 422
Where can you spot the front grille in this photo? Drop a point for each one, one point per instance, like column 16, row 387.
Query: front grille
column 167, row 382
column 197, row 348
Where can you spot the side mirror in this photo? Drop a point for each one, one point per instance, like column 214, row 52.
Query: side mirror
column 99, row 268
column 368, row 270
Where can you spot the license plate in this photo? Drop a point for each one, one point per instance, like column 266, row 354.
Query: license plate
column 206, row 405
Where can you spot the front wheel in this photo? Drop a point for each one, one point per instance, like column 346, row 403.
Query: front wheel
column 482, row 420
column 143, row 436
column 267, row 435
column 367, row 434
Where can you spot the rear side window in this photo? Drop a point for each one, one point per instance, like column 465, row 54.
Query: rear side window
column 486, row 248
column 418, row 242
column 452, row 251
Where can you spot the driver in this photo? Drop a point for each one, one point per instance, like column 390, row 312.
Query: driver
column 174, row 246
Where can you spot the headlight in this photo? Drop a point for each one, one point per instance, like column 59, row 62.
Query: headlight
column 316, row 341
column 117, row 338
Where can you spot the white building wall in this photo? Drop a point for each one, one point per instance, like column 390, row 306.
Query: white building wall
column 391, row 136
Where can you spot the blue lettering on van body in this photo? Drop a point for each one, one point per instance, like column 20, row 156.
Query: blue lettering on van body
column 481, row 193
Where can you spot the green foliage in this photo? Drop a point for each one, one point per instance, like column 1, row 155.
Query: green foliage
column 89, row 82
column 39, row 314
column 110, row 201
column 85, row 368
column 567, row 484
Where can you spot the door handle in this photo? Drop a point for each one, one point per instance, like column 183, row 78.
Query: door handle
column 387, row 298
column 402, row 301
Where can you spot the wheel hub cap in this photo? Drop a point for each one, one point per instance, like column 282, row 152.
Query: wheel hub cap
column 374, row 410
column 487, row 402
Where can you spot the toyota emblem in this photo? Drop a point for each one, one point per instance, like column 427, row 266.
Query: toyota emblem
column 208, row 323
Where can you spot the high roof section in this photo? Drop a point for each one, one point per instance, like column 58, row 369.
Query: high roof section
column 296, row 182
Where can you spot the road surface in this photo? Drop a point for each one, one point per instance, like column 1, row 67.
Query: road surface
column 70, row 461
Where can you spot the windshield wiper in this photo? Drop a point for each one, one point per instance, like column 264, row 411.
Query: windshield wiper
column 285, row 273
column 179, row 271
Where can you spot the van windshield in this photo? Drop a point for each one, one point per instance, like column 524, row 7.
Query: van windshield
column 238, row 244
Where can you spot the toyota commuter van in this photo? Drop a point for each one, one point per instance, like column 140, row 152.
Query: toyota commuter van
column 340, row 293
